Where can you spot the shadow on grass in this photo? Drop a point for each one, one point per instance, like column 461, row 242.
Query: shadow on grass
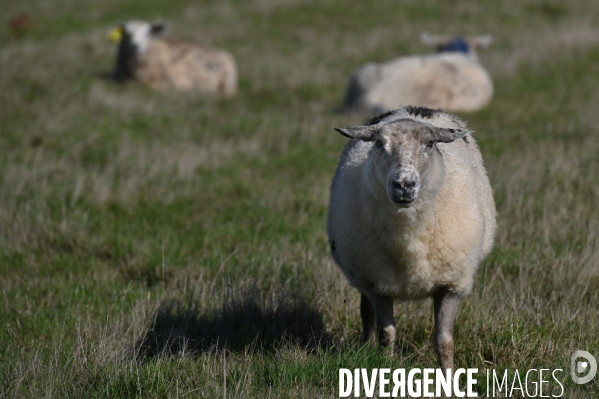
column 249, row 319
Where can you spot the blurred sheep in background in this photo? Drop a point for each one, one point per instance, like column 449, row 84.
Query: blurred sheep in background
column 451, row 79
column 166, row 63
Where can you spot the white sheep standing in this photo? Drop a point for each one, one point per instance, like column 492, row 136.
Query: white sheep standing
column 452, row 79
column 165, row 63
column 411, row 215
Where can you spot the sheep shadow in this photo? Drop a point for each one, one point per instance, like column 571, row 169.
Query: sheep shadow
column 249, row 319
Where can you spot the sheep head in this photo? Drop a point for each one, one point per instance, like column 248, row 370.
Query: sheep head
column 135, row 34
column 466, row 45
column 133, row 38
column 404, row 157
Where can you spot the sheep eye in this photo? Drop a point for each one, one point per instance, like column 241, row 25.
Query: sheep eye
column 430, row 144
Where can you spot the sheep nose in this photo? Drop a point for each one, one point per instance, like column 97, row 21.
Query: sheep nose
column 404, row 184
column 404, row 190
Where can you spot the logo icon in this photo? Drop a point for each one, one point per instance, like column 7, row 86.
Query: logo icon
column 583, row 367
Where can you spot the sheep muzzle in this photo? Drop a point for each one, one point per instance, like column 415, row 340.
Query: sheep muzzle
column 404, row 191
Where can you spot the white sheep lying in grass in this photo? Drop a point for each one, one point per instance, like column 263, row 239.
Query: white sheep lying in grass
column 164, row 63
column 411, row 215
column 452, row 79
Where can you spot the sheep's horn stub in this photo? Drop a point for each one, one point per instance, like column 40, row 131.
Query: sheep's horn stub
column 364, row 133
column 448, row 135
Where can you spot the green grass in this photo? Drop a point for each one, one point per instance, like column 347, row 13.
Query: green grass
column 169, row 245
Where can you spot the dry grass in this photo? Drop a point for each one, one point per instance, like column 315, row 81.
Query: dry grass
column 167, row 245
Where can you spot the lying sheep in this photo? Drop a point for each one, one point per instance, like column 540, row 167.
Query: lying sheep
column 163, row 63
column 452, row 79
column 411, row 215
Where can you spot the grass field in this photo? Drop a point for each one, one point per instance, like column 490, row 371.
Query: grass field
column 169, row 245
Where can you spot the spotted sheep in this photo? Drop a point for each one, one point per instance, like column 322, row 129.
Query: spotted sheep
column 411, row 215
column 165, row 63
column 452, row 79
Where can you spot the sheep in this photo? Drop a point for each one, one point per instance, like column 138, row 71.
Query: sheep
column 452, row 79
column 165, row 63
column 411, row 215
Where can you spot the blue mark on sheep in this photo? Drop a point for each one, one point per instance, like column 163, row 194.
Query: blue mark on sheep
column 458, row 45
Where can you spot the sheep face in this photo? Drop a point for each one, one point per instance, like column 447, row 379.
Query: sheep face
column 134, row 39
column 137, row 35
column 404, row 157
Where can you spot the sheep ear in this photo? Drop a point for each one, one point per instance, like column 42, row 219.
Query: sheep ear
column 448, row 135
column 364, row 133
column 482, row 41
column 432, row 40
column 158, row 27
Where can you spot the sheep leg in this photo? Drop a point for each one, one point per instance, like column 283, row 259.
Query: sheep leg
column 446, row 309
column 385, row 321
column 368, row 319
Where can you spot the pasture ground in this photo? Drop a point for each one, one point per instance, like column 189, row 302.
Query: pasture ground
column 168, row 245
